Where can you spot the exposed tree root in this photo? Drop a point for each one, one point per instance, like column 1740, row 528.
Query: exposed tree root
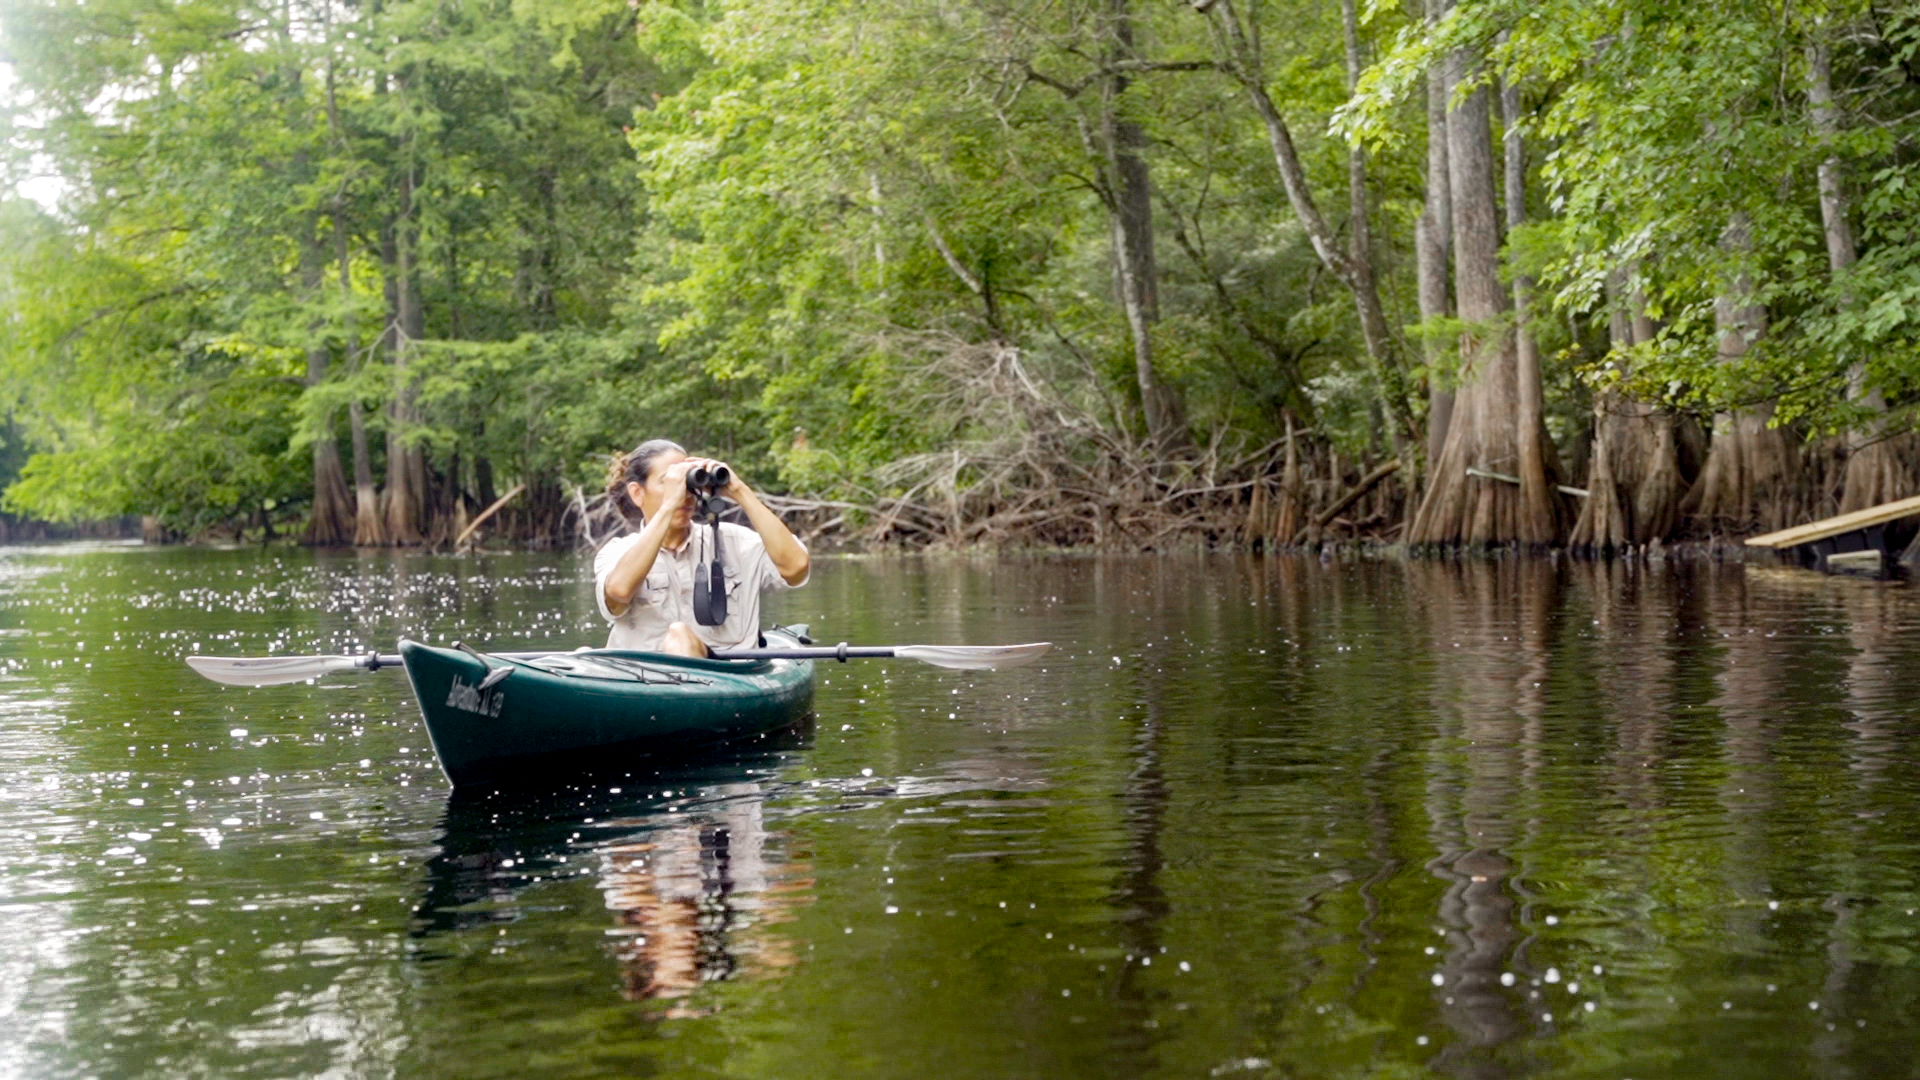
column 1027, row 467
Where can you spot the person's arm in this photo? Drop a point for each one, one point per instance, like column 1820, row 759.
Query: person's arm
column 627, row 575
column 788, row 554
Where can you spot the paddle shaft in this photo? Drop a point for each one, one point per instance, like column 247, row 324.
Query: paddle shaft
column 283, row 670
column 841, row 652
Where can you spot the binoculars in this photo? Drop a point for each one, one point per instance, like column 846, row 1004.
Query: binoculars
column 701, row 478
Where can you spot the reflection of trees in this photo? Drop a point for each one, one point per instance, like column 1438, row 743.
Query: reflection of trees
column 1490, row 625
column 694, row 898
column 1752, row 697
column 1638, row 615
column 1138, row 893
column 1877, row 698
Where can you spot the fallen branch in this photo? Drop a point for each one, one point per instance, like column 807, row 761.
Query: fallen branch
column 487, row 513
column 1354, row 495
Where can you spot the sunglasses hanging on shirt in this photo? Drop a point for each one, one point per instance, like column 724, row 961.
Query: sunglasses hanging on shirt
column 709, row 579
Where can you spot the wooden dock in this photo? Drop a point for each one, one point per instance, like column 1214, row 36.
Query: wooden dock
column 1849, row 543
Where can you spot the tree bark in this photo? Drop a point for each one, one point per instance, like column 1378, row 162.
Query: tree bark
column 1485, row 429
column 1130, row 217
column 331, row 521
column 1291, row 513
column 368, row 529
column 1747, row 478
column 1539, row 504
column 1622, row 441
column 1433, row 243
column 404, row 502
column 1656, row 503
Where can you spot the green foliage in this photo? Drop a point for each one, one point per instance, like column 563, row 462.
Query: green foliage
column 863, row 177
column 1666, row 126
column 779, row 229
column 238, row 182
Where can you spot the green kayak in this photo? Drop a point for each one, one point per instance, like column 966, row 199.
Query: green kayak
column 494, row 717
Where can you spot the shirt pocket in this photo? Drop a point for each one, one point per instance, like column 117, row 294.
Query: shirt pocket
column 655, row 589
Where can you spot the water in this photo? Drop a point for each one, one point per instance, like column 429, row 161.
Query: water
column 1255, row 818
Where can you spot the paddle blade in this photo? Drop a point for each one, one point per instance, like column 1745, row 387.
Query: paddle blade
column 974, row 657
column 270, row 670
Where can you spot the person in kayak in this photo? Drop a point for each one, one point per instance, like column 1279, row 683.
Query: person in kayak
column 644, row 581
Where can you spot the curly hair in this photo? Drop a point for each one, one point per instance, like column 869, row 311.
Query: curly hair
column 635, row 467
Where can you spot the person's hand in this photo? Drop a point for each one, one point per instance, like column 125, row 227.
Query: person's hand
column 673, row 483
column 736, row 487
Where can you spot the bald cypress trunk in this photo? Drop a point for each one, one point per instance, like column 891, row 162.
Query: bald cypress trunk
column 368, row 528
column 1747, row 480
column 1486, row 431
column 404, row 504
column 1539, row 502
column 1433, row 243
column 1606, row 517
column 331, row 521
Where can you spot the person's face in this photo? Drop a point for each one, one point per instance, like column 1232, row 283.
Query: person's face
column 660, row 487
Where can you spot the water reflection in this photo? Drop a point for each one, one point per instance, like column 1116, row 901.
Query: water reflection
column 1636, row 819
column 695, row 879
column 1493, row 624
column 695, row 901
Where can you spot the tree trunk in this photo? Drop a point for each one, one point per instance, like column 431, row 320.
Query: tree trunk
column 1485, row 429
column 1433, row 241
column 1245, row 63
column 368, row 529
column 1539, row 502
column 1373, row 321
column 1605, row 522
column 331, row 521
column 1746, row 481
column 1290, row 515
column 405, row 501
column 1622, row 443
column 1130, row 217
column 483, row 481
column 1879, row 468
column 1657, row 501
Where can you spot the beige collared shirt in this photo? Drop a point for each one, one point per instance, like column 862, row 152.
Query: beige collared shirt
column 666, row 596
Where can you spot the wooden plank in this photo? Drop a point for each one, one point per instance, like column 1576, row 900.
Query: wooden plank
column 1834, row 526
column 1856, row 563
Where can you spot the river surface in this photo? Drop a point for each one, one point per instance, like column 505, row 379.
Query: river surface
column 1254, row 817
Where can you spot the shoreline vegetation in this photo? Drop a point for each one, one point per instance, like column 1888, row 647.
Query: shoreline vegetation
column 1609, row 278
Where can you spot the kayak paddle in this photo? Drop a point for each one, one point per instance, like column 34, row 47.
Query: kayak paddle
column 964, row 657
column 281, row 670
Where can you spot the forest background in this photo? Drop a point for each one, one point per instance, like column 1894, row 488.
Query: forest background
column 1594, row 273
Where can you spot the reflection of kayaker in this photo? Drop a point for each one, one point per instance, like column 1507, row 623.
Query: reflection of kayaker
column 694, row 901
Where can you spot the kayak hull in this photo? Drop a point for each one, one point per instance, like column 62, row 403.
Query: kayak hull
column 488, row 727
